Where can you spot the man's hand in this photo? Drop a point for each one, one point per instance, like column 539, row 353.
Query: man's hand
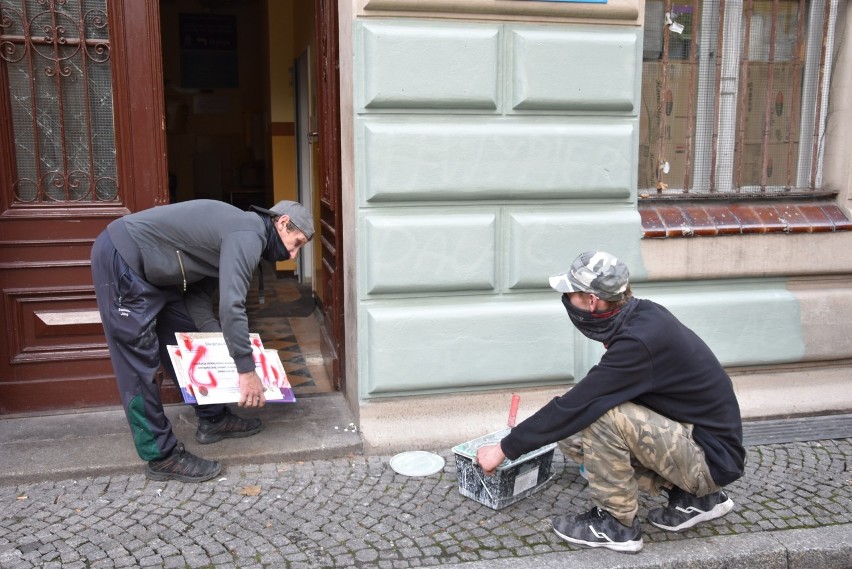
column 489, row 458
column 251, row 390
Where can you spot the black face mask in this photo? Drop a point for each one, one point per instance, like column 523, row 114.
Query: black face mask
column 598, row 326
column 275, row 249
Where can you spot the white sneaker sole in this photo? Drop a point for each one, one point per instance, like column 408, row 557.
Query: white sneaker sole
column 717, row 512
column 634, row 546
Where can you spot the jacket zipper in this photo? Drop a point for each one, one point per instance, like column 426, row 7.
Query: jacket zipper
column 182, row 272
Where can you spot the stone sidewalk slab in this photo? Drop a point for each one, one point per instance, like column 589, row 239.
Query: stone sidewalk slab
column 97, row 443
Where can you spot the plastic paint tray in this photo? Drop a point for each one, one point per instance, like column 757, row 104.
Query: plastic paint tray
column 512, row 481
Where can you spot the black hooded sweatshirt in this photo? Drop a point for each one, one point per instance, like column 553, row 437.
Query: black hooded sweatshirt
column 655, row 361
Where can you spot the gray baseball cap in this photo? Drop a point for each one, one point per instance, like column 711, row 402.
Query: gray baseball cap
column 297, row 213
column 595, row 272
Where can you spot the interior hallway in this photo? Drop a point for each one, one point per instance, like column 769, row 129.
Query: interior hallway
column 287, row 321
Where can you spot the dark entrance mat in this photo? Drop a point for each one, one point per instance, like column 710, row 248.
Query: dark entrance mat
column 284, row 296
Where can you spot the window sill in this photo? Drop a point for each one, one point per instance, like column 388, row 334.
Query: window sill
column 709, row 219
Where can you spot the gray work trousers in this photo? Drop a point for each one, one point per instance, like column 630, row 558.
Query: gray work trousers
column 139, row 321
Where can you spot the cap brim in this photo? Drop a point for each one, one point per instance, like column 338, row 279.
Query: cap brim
column 561, row 283
column 263, row 210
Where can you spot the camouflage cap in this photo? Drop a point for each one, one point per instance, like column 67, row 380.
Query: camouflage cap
column 595, row 272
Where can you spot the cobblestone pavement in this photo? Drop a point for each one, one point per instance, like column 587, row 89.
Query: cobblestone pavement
column 357, row 512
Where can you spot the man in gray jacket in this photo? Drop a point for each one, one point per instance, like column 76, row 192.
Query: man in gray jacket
column 155, row 273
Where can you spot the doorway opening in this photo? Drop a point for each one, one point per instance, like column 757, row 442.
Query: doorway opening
column 241, row 115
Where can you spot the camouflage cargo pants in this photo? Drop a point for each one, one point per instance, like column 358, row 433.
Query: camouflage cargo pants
column 631, row 449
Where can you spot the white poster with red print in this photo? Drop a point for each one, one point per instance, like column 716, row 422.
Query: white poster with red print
column 207, row 374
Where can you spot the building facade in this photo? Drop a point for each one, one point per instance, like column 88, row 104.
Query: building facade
column 466, row 151
column 492, row 142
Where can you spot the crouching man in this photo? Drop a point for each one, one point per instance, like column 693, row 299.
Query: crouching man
column 657, row 414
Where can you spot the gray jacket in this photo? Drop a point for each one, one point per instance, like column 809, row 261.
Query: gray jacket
column 195, row 246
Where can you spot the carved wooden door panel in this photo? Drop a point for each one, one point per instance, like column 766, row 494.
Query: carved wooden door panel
column 81, row 143
column 331, row 229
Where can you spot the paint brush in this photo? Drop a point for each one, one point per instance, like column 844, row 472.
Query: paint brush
column 513, row 410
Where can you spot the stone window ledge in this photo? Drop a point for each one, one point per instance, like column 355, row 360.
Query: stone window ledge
column 666, row 219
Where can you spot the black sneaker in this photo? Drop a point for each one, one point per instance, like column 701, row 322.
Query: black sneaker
column 598, row 528
column 228, row 427
column 685, row 509
column 182, row 465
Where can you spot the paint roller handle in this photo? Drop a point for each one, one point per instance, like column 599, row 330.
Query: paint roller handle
column 513, row 410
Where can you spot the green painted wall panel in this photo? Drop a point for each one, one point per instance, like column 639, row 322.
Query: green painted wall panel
column 445, row 66
column 429, row 253
column 469, row 195
column 423, row 345
column 524, row 159
column 544, row 241
column 749, row 322
column 745, row 323
column 529, row 339
column 575, row 69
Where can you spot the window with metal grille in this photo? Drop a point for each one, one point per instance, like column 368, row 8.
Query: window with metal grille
column 55, row 56
column 734, row 97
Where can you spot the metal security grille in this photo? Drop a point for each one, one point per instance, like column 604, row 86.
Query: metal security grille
column 734, row 97
column 55, row 56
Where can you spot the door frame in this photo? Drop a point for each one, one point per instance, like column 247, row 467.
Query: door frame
column 304, row 170
column 331, row 207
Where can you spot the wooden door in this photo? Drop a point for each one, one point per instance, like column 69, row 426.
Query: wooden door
column 81, row 143
column 331, row 227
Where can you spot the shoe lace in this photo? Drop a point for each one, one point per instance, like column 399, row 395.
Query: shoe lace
column 231, row 422
column 182, row 461
column 595, row 513
column 676, row 495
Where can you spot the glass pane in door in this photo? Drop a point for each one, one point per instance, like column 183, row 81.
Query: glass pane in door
column 56, row 58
